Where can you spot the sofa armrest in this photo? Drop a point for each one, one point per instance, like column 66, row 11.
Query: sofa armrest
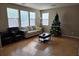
column 21, row 32
column 5, row 34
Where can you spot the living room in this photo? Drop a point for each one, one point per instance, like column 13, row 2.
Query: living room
column 33, row 19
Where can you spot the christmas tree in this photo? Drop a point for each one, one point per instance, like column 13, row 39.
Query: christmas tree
column 55, row 28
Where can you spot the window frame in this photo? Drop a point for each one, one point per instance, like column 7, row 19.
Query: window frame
column 20, row 17
column 30, row 19
column 47, row 19
column 12, row 17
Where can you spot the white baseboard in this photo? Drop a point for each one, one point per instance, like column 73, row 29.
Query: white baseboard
column 71, row 36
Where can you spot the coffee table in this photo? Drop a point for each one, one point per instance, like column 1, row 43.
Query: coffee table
column 44, row 37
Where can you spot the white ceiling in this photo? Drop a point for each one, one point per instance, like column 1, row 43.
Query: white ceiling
column 42, row 6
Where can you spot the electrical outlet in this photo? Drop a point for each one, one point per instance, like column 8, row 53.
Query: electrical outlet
column 72, row 33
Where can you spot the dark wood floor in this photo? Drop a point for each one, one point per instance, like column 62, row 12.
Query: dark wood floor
column 58, row 46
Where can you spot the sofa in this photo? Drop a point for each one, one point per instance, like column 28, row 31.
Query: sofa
column 11, row 35
column 32, row 31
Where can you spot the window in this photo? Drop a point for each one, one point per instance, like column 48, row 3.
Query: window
column 45, row 17
column 32, row 19
column 12, row 17
column 24, row 18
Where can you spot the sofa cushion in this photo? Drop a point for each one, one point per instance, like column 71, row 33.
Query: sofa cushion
column 27, row 28
column 23, row 29
column 13, row 29
column 34, row 27
column 31, row 28
column 33, row 31
column 38, row 28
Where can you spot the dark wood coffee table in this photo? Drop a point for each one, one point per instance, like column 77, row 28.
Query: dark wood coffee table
column 44, row 37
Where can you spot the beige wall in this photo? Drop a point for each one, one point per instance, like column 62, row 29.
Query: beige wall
column 69, row 18
column 3, row 14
